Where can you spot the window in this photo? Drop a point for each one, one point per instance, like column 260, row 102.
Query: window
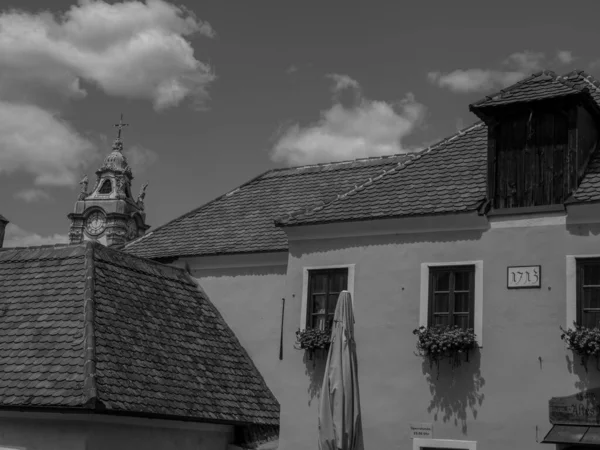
column 532, row 165
column 451, row 296
column 588, row 292
column 475, row 312
column 324, row 287
column 106, row 187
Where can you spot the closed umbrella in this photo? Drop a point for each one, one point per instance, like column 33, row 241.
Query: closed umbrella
column 340, row 424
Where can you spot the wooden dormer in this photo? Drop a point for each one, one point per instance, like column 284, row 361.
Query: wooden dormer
column 541, row 134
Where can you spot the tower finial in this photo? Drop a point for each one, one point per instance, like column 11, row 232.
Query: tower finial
column 120, row 126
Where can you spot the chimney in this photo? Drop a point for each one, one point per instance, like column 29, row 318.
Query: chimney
column 3, row 223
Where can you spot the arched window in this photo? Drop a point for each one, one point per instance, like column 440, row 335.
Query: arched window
column 106, row 187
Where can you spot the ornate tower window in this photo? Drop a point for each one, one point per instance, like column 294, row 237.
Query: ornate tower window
column 106, row 187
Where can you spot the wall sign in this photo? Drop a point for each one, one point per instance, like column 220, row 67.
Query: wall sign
column 582, row 408
column 524, row 277
column 421, row 430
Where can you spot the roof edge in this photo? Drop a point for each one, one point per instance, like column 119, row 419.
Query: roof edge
column 287, row 218
column 195, row 210
column 477, row 106
column 188, row 273
column 90, row 391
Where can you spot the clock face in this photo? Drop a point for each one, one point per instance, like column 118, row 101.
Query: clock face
column 95, row 223
column 131, row 229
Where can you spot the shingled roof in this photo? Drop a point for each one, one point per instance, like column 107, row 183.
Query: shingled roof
column 538, row 86
column 448, row 177
column 242, row 221
column 451, row 176
column 87, row 327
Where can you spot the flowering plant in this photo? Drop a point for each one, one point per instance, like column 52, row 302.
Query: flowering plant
column 313, row 339
column 440, row 342
column 585, row 342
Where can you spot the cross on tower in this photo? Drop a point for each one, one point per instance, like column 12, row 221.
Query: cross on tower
column 120, row 126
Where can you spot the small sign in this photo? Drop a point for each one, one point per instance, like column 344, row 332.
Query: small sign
column 524, row 277
column 421, row 430
column 582, row 408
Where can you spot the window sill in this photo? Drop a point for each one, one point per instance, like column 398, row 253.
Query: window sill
column 526, row 210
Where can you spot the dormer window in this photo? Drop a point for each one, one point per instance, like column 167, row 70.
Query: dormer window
column 541, row 134
column 531, row 165
column 106, row 187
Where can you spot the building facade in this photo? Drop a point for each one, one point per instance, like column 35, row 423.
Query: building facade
column 494, row 229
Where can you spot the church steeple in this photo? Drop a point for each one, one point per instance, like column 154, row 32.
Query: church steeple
column 108, row 213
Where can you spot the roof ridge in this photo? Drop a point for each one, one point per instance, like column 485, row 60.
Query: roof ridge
column 514, row 86
column 199, row 208
column 589, row 79
column 345, row 161
column 43, row 246
column 150, row 262
column 90, row 391
column 281, row 221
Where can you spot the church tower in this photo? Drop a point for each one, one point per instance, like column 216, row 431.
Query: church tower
column 108, row 213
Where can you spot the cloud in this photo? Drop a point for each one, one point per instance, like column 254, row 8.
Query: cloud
column 474, row 80
column 518, row 66
column 565, row 57
column 140, row 158
column 367, row 128
column 291, row 69
column 342, row 82
column 18, row 237
column 32, row 195
column 40, row 143
column 129, row 49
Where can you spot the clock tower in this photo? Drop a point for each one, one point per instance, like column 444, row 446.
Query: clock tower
column 108, row 213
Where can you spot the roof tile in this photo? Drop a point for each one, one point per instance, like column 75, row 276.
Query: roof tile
column 161, row 347
column 448, row 177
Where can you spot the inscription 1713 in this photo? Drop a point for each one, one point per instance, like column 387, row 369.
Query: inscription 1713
column 524, row 277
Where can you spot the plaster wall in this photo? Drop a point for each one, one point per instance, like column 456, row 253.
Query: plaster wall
column 21, row 432
column 249, row 298
column 499, row 398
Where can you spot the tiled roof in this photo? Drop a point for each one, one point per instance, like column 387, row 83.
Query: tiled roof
column 539, row 86
column 85, row 326
column 589, row 188
column 242, row 221
column 448, row 177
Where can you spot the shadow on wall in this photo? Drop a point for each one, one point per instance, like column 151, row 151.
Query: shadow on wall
column 455, row 391
column 586, row 229
column 315, row 370
column 588, row 373
column 341, row 243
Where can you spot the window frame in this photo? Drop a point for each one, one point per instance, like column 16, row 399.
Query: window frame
column 580, row 263
column 310, row 304
column 572, row 288
column 306, row 288
column 423, row 443
column 452, row 269
column 477, row 300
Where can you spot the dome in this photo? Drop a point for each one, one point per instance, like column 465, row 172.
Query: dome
column 116, row 160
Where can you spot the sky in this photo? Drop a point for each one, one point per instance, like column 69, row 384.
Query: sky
column 217, row 92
